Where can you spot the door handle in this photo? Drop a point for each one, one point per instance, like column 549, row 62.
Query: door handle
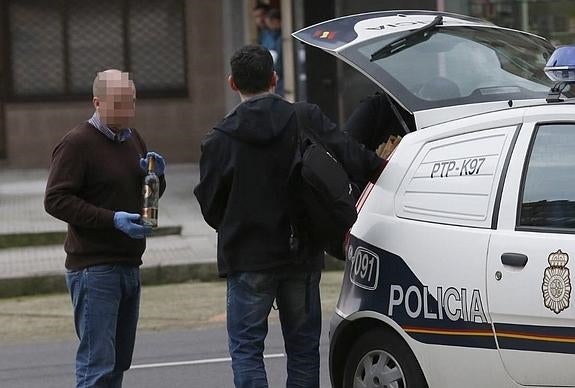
column 514, row 259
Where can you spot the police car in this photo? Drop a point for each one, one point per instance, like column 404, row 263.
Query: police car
column 459, row 269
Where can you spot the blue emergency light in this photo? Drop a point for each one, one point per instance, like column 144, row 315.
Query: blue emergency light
column 561, row 68
column 561, row 64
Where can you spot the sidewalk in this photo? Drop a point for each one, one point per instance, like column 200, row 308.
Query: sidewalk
column 22, row 209
column 172, row 258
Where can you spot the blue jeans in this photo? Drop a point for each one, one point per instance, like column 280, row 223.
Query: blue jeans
column 106, row 301
column 250, row 297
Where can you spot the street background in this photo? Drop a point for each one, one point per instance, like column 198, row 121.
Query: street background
column 178, row 53
column 182, row 340
column 182, row 343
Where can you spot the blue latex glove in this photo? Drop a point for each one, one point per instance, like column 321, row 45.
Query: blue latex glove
column 127, row 223
column 160, row 163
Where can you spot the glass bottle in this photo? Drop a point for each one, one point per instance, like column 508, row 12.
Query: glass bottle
column 151, row 195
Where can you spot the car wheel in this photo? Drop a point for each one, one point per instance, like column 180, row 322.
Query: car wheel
column 381, row 359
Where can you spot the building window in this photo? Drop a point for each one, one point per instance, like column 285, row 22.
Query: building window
column 57, row 46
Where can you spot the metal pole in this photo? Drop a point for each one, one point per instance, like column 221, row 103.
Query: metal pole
column 525, row 15
column 3, row 75
column 441, row 5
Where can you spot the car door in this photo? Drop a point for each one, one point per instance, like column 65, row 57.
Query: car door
column 531, row 258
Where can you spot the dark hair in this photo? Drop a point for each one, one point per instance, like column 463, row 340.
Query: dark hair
column 274, row 14
column 252, row 69
column 264, row 7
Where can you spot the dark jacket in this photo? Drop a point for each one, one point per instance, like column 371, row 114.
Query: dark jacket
column 373, row 121
column 244, row 173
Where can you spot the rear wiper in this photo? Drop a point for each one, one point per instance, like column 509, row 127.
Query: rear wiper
column 411, row 39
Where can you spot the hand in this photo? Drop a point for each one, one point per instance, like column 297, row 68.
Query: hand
column 127, row 223
column 385, row 150
column 160, row 163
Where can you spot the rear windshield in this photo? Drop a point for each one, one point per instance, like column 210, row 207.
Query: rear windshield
column 459, row 65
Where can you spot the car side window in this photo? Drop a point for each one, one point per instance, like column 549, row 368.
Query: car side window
column 548, row 196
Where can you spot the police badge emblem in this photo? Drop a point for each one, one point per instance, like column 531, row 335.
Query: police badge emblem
column 557, row 282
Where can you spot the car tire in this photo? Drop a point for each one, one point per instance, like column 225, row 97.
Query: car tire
column 397, row 367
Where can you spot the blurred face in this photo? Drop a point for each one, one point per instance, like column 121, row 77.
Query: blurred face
column 116, row 105
column 273, row 24
column 260, row 18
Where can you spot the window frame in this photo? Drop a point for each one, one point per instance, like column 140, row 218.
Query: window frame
column 63, row 6
column 536, row 229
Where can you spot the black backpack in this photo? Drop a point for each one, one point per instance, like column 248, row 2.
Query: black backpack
column 326, row 198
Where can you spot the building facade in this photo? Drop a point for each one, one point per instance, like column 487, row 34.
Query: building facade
column 177, row 52
column 50, row 51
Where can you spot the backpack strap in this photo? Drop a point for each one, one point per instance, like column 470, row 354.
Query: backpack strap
column 303, row 121
column 301, row 114
column 305, row 130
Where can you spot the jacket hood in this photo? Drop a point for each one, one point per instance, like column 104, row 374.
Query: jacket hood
column 258, row 120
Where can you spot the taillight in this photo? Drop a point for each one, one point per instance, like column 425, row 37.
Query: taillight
column 363, row 196
column 366, row 191
column 346, row 243
column 369, row 187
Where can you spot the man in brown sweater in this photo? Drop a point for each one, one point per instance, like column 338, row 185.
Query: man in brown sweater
column 95, row 185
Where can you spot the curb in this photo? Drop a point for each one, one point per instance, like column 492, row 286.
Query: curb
column 21, row 240
column 156, row 275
